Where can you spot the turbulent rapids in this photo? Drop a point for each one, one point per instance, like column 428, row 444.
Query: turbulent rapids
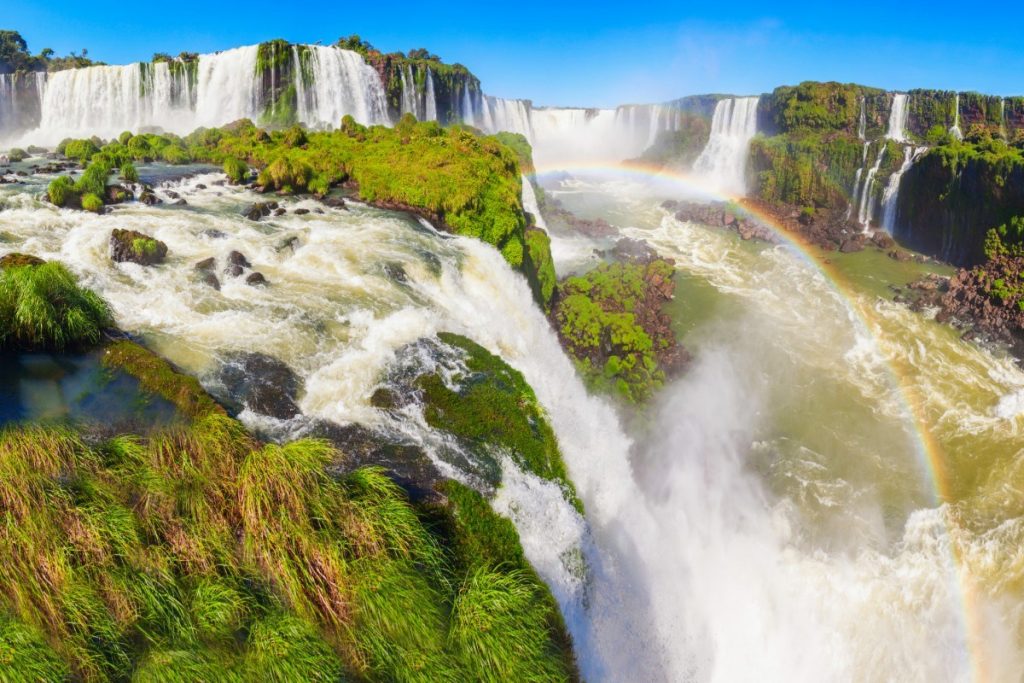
column 826, row 493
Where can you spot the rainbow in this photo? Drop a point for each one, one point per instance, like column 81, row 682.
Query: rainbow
column 929, row 451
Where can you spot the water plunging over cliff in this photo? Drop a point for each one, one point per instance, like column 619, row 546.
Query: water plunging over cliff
column 862, row 121
column 898, row 119
column 955, row 130
column 723, row 161
column 890, row 197
column 866, row 201
column 341, row 84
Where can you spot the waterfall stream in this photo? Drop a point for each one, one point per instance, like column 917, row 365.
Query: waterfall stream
column 723, row 161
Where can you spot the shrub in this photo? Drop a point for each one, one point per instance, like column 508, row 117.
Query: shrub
column 17, row 154
column 94, row 179
column 129, row 173
column 91, row 202
column 173, row 154
column 236, row 170
column 80, row 150
column 60, row 190
column 42, row 307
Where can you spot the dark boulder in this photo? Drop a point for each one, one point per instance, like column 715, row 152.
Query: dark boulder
column 258, row 210
column 237, row 258
column 257, row 279
column 207, row 264
column 147, row 197
column 301, row 212
column 334, row 202
column 852, row 244
column 214, row 234
column 16, row 260
column 261, row 383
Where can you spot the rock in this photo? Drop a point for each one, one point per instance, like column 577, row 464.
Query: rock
column 179, row 202
column 261, row 383
column 280, row 212
column 117, row 194
column 852, row 244
column 289, row 242
column 396, row 272
column 406, row 464
column 147, row 197
column 301, row 212
column 207, row 264
column 632, row 251
column 200, row 186
column 883, row 240
column 899, row 255
column 318, row 210
column 258, row 210
column 171, row 194
column 209, row 279
column 256, row 280
column 214, row 234
column 136, row 247
column 237, row 258
column 334, row 202
column 16, row 260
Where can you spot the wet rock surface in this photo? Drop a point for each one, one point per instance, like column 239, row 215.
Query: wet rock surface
column 259, row 382
column 130, row 246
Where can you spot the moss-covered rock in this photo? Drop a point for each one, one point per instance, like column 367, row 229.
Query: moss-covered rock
column 610, row 322
column 135, row 247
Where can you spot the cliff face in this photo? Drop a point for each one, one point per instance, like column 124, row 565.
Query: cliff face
column 951, row 198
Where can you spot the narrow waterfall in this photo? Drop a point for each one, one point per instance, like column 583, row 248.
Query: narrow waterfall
column 530, row 204
column 409, row 92
column 866, row 200
column 862, row 121
column 343, row 84
column 892, row 190
column 856, row 181
column 723, row 161
column 898, row 118
column 1002, row 119
column 500, row 114
column 955, row 130
column 430, row 99
column 8, row 104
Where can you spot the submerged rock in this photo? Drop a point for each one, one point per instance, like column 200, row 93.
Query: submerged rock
column 258, row 210
column 136, row 247
column 257, row 279
column 334, row 202
column 261, row 383
column 147, row 197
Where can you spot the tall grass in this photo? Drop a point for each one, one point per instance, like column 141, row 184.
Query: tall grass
column 42, row 307
column 201, row 554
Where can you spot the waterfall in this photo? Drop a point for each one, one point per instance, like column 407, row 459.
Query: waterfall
column 892, row 189
column 856, row 181
column 898, row 119
column 8, row 103
column 1002, row 119
column 500, row 114
column 866, row 200
column 343, row 84
column 227, row 88
column 530, row 204
column 862, row 121
column 430, row 98
column 409, row 92
column 723, row 161
column 955, row 130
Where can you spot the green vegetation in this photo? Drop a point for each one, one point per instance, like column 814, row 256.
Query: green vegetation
column 806, row 169
column 237, row 171
column 17, row 154
column 538, row 253
column 61, row 190
column 597, row 318
column 129, row 174
column 200, row 554
column 42, row 307
column 15, row 57
column 1006, row 240
column 92, row 202
column 494, row 407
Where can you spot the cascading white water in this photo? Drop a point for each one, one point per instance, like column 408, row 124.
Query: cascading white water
column 1002, row 119
column 955, row 130
column 409, row 99
column 723, row 161
column 226, row 89
column 855, row 195
column 513, row 116
column 866, row 202
column 898, row 118
column 430, row 98
column 890, row 196
column 342, row 84
column 530, row 204
column 862, row 121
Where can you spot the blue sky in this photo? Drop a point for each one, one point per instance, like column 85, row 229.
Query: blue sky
column 584, row 53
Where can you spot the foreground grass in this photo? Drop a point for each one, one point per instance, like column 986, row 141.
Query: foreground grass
column 42, row 307
column 200, row 554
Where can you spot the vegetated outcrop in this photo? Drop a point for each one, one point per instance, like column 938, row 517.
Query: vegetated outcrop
column 611, row 323
column 955, row 194
column 198, row 552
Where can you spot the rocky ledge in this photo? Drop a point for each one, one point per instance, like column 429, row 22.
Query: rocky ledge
column 988, row 300
column 721, row 215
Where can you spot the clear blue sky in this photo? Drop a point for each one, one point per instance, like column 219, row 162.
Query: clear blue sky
column 584, row 53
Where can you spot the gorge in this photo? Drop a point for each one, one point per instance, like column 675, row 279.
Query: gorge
column 637, row 395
